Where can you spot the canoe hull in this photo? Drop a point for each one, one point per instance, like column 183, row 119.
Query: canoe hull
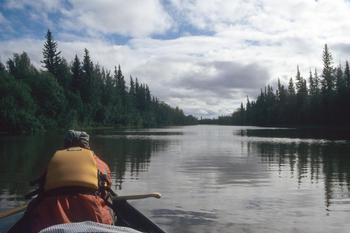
column 128, row 216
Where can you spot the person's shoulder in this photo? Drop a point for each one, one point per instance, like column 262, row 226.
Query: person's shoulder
column 100, row 162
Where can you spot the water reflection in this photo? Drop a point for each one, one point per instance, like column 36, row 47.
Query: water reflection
column 187, row 221
column 311, row 133
column 213, row 178
column 326, row 163
column 25, row 158
column 126, row 155
column 226, row 170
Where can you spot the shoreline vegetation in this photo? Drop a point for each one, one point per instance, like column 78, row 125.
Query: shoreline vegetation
column 84, row 95
column 319, row 101
column 80, row 94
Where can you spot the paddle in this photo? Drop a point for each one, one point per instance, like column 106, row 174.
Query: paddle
column 138, row 196
column 9, row 212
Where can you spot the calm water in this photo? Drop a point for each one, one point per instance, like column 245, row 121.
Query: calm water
column 212, row 178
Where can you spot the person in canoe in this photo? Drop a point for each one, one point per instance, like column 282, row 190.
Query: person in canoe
column 74, row 188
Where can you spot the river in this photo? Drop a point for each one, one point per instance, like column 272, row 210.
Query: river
column 212, row 178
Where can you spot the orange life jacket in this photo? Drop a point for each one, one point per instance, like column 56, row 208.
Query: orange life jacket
column 69, row 167
column 72, row 167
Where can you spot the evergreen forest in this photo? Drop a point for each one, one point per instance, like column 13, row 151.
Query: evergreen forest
column 317, row 100
column 76, row 95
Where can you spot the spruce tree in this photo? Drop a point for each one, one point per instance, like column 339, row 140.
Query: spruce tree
column 86, row 81
column 2, row 67
column 312, row 88
column 316, row 82
column 51, row 55
column 327, row 73
column 291, row 89
column 299, row 81
column 76, row 74
column 132, row 87
column 120, row 81
column 87, row 64
column 347, row 75
column 340, row 82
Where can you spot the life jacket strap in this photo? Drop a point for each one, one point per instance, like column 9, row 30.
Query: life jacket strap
column 103, row 182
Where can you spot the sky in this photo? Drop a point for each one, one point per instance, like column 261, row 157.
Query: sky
column 204, row 56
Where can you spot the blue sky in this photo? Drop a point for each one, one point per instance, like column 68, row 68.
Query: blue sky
column 204, row 56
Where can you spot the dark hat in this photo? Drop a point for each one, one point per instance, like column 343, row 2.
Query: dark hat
column 74, row 138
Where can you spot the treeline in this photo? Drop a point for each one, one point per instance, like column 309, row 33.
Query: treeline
column 318, row 100
column 80, row 94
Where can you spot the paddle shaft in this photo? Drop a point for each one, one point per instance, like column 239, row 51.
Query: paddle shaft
column 9, row 212
column 139, row 196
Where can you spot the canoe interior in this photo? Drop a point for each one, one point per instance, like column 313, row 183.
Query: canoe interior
column 127, row 216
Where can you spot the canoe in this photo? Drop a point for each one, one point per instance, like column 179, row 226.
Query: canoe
column 7, row 222
column 127, row 216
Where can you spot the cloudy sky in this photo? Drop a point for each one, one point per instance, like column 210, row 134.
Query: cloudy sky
column 204, row 56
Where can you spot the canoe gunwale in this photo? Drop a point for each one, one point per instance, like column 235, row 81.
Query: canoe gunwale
column 129, row 216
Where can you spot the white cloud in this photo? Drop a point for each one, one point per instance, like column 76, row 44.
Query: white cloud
column 37, row 5
column 2, row 19
column 135, row 18
column 37, row 10
column 30, row 46
column 129, row 18
column 210, row 15
column 267, row 37
column 5, row 26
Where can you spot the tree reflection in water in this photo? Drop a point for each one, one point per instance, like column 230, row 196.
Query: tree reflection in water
column 319, row 162
column 24, row 158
